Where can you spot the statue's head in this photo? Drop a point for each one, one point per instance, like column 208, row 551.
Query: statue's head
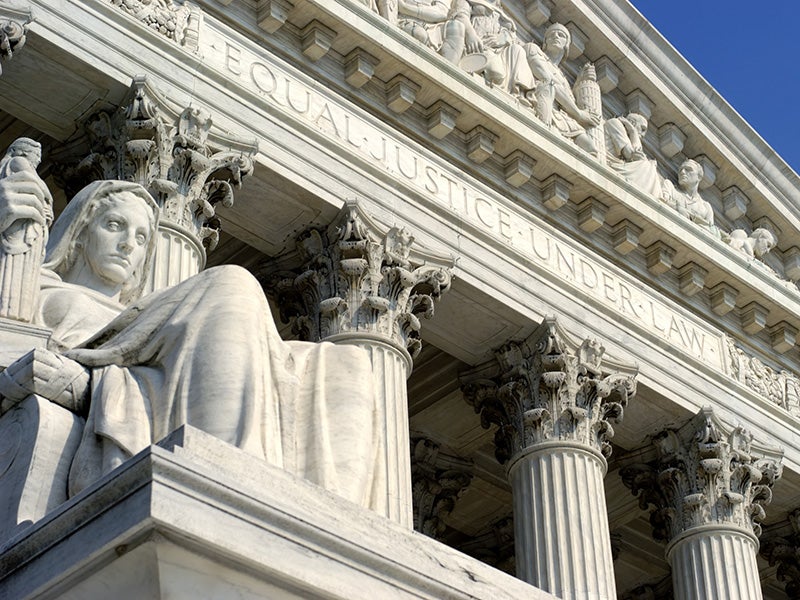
column 763, row 241
column 30, row 149
column 639, row 121
column 557, row 37
column 690, row 174
column 105, row 239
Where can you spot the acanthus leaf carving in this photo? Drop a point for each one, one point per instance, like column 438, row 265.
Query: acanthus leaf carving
column 705, row 474
column 353, row 279
column 784, row 551
column 548, row 390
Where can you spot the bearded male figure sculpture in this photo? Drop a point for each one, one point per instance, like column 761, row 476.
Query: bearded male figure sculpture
column 205, row 352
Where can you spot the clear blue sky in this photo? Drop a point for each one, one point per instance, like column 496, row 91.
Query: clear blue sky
column 747, row 51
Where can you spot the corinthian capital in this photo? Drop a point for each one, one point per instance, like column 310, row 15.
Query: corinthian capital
column 550, row 389
column 784, row 551
column 168, row 149
column 13, row 27
column 705, row 474
column 353, row 280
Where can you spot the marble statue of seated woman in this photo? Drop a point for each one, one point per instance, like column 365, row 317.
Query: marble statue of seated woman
column 205, row 352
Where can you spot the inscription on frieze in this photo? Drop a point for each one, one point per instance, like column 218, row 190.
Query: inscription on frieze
column 297, row 97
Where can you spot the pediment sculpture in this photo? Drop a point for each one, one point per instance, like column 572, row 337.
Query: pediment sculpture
column 130, row 368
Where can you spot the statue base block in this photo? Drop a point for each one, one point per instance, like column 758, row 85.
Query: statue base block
column 17, row 338
column 193, row 517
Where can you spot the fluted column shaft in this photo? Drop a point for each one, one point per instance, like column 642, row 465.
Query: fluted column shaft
column 561, row 530
column 391, row 484
column 714, row 563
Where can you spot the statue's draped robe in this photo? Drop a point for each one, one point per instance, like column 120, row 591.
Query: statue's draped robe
column 207, row 353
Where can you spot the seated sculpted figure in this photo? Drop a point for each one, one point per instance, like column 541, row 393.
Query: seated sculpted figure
column 439, row 24
column 205, row 352
column 686, row 199
column 555, row 101
column 625, row 154
column 495, row 39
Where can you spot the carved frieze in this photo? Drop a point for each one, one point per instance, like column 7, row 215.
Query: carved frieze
column 13, row 29
column 550, row 390
column 355, row 280
column 705, row 474
column 438, row 480
column 174, row 19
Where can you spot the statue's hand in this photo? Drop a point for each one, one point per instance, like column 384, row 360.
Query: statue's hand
column 474, row 44
column 23, row 197
column 588, row 119
column 47, row 374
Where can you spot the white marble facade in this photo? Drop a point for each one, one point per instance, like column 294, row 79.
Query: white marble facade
column 523, row 297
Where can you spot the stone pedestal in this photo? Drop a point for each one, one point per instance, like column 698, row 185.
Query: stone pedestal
column 560, row 521
column 554, row 407
column 708, row 490
column 194, row 517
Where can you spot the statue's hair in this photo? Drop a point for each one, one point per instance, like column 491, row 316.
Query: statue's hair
column 66, row 237
column 22, row 146
column 560, row 27
column 633, row 117
column 764, row 234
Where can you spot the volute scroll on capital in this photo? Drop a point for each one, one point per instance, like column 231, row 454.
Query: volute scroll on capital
column 706, row 474
column 550, row 389
column 356, row 280
column 14, row 23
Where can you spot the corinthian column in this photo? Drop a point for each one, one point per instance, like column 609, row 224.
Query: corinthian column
column 554, row 406
column 708, row 490
column 359, row 287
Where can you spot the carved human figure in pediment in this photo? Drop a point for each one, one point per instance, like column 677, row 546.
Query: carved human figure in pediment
column 555, row 100
column 205, row 352
column 685, row 198
column 755, row 245
column 625, row 153
column 439, row 24
column 494, row 46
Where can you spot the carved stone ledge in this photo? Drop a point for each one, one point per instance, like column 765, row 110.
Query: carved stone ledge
column 734, row 203
column 638, row 102
column 359, row 67
column 550, row 388
column 706, row 473
column 538, row 11
column 659, row 257
column 608, row 74
column 579, row 39
column 710, row 170
column 273, row 14
column 791, row 263
column 723, row 298
column 691, row 278
column 401, row 93
column 555, row 192
column 518, row 168
column 754, row 317
column 494, row 546
column 441, row 119
column 625, row 237
column 591, row 214
column 783, row 337
column 480, row 144
column 13, row 29
column 316, row 39
column 438, row 479
column 671, row 139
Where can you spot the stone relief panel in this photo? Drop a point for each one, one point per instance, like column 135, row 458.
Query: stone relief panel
column 174, row 19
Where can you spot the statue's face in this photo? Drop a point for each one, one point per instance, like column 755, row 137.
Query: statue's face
column 556, row 38
column 762, row 246
column 115, row 242
column 688, row 176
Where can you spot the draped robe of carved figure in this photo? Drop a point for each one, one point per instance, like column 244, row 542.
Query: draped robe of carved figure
column 205, row 352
